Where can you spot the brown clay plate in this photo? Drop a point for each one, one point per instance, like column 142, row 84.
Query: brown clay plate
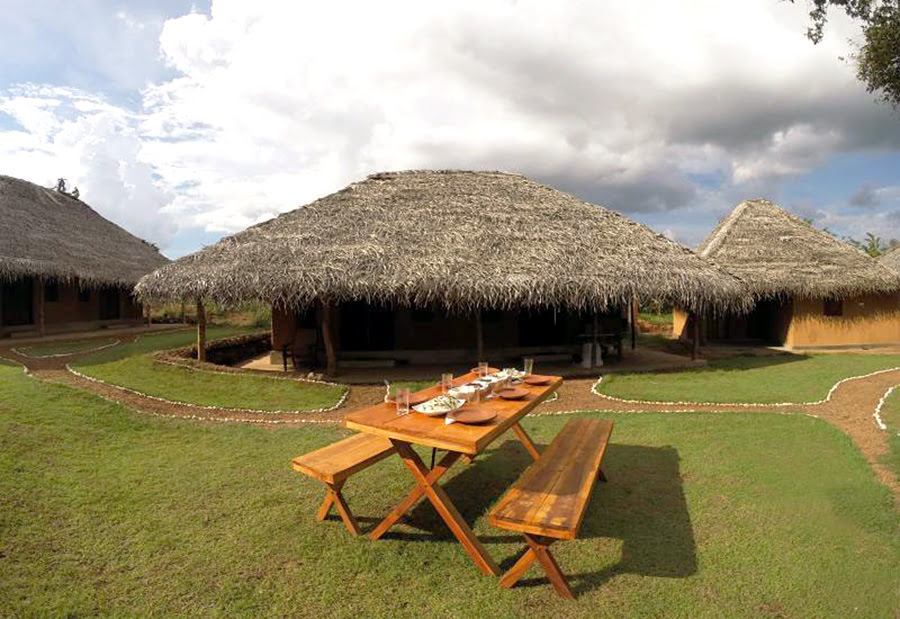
column 413, row 399
column 536, row 380
column 490, row 370
column 475, row 416
column 512, row 393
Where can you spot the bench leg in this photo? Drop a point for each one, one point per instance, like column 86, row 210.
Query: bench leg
column 602, row 477
column 526, row 440
column 414, row 495
column 538, row 549
column 334, row 498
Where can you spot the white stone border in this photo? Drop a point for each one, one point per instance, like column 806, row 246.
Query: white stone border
column 877, row 414
column 339, row 403
column 595, row 391
column 189, row 366
column 25, row 369
column 66, row 354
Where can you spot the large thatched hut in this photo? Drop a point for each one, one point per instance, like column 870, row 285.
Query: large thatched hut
column 811, row 289
column 62, row 266
column 441, row 266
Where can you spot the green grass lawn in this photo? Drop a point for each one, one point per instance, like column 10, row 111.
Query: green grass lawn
column 890, row 415
column 783, row 378
column 134, row 369
column 160, row 341
column 657, row 319
column 108, row 512
column 64, row 348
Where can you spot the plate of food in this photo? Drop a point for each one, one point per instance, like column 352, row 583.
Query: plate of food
column 511, row 374
column 441, row 405
column 465, row 390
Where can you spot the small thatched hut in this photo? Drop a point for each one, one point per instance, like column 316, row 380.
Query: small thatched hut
column 811, row 289
column 62, row 266
column 891, row 259
column 441, row 266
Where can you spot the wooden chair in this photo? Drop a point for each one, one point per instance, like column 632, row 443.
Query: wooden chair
column 332, row 465
column 549, row 500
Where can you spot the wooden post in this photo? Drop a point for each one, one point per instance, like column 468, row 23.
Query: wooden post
column 182, row 312
column 201, row 331
column 479, row 336
column 596, row 356
column 695, row 333
column 149, row 317
column 634, row 315
column 40, row 308
column 328, row 338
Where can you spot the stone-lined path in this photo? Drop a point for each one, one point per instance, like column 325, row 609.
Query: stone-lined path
column 850, row 407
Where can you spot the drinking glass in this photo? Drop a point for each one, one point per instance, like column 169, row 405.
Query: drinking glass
column 402, row 401
column 482, row 369
column 528, row 362
column 446, row 382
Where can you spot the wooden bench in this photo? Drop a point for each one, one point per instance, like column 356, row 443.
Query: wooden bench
column 549, row 500
column 332, row 465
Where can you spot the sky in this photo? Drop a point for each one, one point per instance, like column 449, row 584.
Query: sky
column 187, row 120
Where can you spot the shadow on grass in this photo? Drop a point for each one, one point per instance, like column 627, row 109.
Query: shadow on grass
column 643, row 504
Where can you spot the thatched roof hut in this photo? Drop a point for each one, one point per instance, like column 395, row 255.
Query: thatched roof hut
column 780, row 255
column 48, row 234
column 891, row 259
column 457, row 239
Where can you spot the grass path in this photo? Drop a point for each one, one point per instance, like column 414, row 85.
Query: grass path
column 65, row 348
column 106, row 512
column 788, row 378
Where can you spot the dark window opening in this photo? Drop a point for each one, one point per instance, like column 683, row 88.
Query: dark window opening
column 306, row 318
column 18, row 302
column 422, row 315
column 834, row 307
column 492, row 316
column 84, row 295
column 51, row 292
column 109, row 304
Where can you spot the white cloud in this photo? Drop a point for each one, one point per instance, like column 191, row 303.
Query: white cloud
column 275, row 103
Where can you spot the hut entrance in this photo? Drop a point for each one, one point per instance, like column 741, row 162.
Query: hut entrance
column 109, row 304
column 768, row 322
column 365, row 327
column 18, row 302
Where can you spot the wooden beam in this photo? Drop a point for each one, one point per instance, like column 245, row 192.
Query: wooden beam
column 634, row 315
column 479, row 336
column 328, row 338
column 201, row 331
column 596, row 356
column 40, row 307
column 695, row 335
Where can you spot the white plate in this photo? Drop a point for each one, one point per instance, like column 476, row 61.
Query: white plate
column 425, row 407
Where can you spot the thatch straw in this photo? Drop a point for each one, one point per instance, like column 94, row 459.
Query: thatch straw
column 778, row 254
column 45, row 233
column 460, row 240
column 891, row 259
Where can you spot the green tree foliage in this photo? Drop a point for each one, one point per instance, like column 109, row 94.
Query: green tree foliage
column 878, row 57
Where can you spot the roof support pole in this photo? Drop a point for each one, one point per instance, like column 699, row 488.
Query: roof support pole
column 201, row 331
column 695, row 335
column 328, row 338
column 40, row 306
column 596, row 353
column 634, row 315
column 479, row 336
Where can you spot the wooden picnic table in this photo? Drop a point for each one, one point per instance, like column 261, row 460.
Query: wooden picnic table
column 458, row 440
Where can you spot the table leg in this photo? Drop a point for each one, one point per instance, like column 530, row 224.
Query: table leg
column 526, row 440
column 414, row 495
column 446, row 509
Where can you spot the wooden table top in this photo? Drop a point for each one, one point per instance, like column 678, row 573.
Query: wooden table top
column 382, row 419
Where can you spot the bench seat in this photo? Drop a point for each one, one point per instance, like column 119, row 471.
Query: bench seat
column 550, row 499
column 334, row 463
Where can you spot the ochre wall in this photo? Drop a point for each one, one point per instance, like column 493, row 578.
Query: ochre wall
column 870, row 319
column 680, row 324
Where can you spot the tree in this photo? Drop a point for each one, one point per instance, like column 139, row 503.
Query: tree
column 873, row 245
column 878, row 57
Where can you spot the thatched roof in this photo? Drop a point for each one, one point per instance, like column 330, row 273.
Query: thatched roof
column 461, row 240
column 47, row 233
column 891, row 259
column 779, row 254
